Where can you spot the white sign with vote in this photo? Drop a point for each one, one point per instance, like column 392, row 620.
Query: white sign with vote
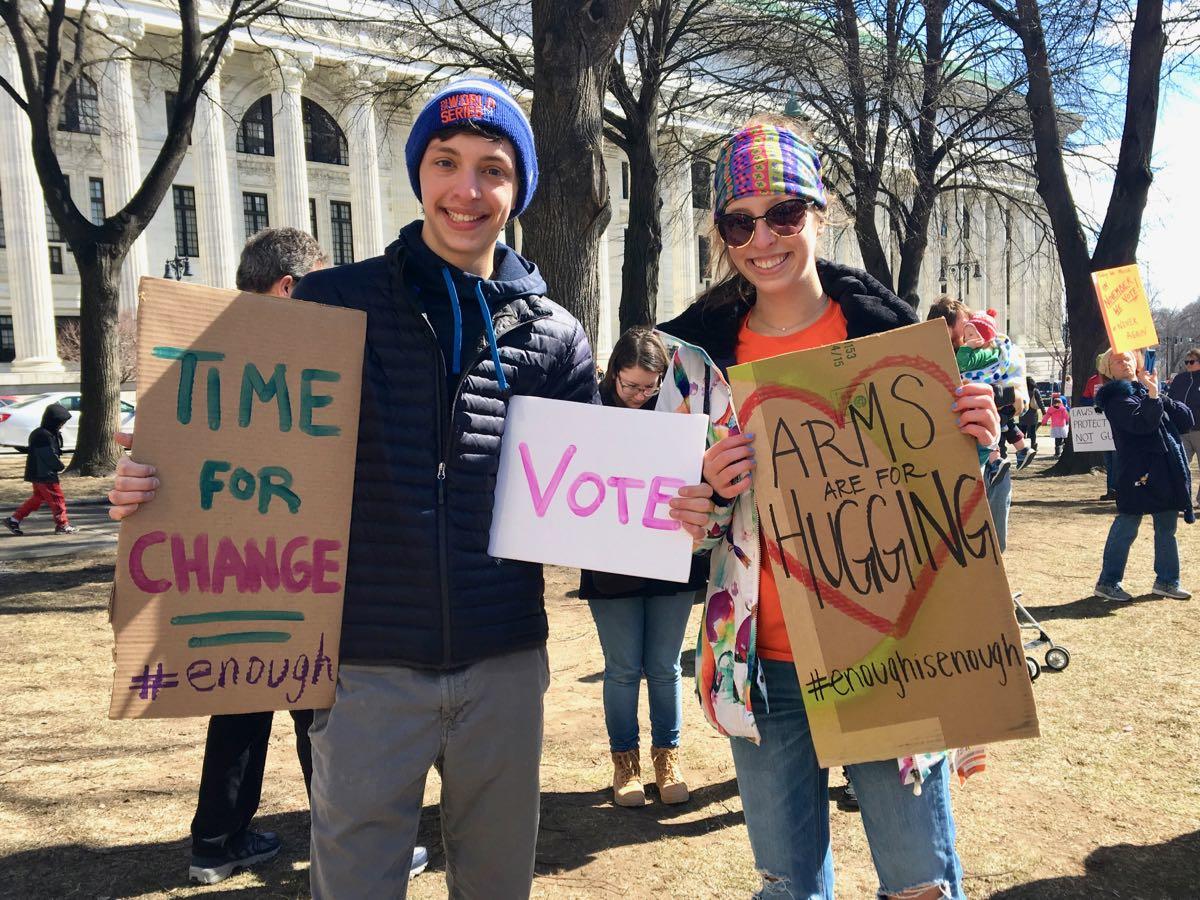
column 588, row 486
column 1090, row 430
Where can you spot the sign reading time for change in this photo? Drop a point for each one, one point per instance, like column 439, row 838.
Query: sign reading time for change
column 229, row 586
column 588, row 486
column 1125, row 308
column 879, row 536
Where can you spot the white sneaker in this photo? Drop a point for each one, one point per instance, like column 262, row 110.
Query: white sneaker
column 1113, row 592
column 1175, row 593
column 419, row 861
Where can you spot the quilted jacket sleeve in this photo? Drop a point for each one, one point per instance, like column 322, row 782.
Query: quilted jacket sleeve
column 574, row 378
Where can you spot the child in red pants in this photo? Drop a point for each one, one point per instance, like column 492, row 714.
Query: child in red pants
column 42, row 465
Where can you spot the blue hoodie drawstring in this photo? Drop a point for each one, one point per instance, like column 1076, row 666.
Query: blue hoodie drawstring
column 491, row 335
column 456, row 362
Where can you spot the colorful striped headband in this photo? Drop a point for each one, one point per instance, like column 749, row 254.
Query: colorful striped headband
column 763, row 159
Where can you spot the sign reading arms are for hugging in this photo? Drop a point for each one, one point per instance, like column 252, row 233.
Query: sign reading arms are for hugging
column 879, row 536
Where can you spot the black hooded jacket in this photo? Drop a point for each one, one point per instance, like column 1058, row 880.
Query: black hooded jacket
column 43, row 462
column 868, row 306
column 421, row 589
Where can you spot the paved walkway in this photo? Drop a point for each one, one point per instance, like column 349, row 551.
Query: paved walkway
column 96, row 531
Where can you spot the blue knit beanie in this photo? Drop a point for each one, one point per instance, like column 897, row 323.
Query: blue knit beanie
column 485, row 102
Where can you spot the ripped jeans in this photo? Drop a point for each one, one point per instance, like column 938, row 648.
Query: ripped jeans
column 785, row 798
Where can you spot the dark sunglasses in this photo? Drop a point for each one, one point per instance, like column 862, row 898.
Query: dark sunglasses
column 785, row 218
column 1191, row 362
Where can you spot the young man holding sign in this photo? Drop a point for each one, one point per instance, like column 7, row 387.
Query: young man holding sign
column 443, row 647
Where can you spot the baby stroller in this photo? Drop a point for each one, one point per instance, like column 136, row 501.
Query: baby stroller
column 1057, row 657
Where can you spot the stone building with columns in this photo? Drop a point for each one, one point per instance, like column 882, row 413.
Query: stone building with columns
column 302, row 133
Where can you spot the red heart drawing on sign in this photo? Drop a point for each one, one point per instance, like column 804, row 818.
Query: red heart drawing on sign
column 914, row 599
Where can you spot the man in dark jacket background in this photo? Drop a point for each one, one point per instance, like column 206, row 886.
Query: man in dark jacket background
column 443, row 653
column 1185, row 388
column 42, row 464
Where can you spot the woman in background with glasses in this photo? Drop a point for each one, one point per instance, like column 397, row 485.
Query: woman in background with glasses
column 777, row 296
column 641, row 621
column 1185, row 388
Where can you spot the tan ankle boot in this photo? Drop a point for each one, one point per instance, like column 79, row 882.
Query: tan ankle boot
column 671, row 786
column 627, row 779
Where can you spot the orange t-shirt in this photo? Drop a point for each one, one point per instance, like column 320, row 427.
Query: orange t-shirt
column 829, row 329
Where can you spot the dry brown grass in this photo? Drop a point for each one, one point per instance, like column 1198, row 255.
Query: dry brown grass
column 1107, row 803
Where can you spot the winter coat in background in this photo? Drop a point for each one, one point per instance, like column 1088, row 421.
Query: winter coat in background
column 43, row 461
column 1152, row 471
column 1185, row 389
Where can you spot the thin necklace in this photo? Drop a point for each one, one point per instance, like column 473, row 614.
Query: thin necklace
column 808, row 320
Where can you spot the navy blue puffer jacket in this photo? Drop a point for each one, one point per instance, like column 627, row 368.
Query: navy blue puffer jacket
column 1152, row 471
column 421, row 589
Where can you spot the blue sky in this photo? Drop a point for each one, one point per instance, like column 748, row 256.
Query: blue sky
column 1170, row 246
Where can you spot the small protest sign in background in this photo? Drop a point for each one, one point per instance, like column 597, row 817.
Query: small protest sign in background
column 1125, row 308
column 588, row 486
column 1090, row 431
column 229, row 585
column 880, row 540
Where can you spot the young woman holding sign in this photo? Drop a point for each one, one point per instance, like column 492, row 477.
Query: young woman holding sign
column 779, row 297
column 641, row 621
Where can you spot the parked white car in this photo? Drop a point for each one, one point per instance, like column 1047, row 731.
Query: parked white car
column 22, row 417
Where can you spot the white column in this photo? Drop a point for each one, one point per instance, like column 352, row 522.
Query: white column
column 689, row 279
column 366, row 198
column 604, row 331
column 218, row 238
column 286, row 71
column 119, row 135
column 25, row 231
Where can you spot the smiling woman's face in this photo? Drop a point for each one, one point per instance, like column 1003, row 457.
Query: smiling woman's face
column 770, row 262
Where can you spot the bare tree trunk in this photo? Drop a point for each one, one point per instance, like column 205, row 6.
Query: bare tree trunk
column 573, row 46
column 870, row 245
column 643, row 239
column 100, row 359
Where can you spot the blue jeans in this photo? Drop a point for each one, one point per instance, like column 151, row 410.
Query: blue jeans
column 786, row 803
column 1120, row 538
column 999, row 498
column 642, row 635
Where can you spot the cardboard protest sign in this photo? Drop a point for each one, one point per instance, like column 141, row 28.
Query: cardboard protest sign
column 588, row 486
column 229, row 585
column 1125, row 308
column 881, row 543
column 1090, row 431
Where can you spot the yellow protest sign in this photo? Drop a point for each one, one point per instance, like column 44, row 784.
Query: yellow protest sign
column 1125, row 308
column 229, row 586
column 876, row 524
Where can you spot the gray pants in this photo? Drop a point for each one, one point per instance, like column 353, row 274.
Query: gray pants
column 482, row 727
column 1191, row 446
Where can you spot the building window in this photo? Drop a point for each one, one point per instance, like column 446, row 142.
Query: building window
column 256, row 133
column 8, row 340
column 172, row 99
column 966, row 229
column 254, row 208
column 56, row 259
column 704, row 254
column 80, row 111
column 701, row 185
column 312, row 217
column 342, row 232
column 96, row 200
column 187, row 243
column 324, row 141
column 624, row 181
